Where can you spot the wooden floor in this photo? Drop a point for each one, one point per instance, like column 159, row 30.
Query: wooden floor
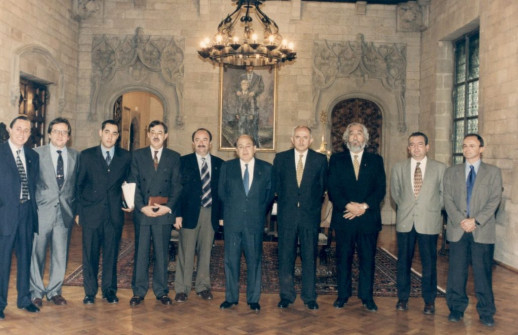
column 200, row 317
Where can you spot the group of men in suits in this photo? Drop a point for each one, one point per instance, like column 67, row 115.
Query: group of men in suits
column 470, row 193
column 198, row 192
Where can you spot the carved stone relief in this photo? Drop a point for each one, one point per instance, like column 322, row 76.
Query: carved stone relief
column 83, row 9
column 411, row 17
column 138, row 60
column 361, row 61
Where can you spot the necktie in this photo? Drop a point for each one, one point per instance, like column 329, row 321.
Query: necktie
column 246, row 180
column 108, row 158
column 23, row 177
column 60, row 170
column 356, row 165
column 418, row 179
column 155, row 160
column 300, row 170
column 470, row 182
column 206, row 197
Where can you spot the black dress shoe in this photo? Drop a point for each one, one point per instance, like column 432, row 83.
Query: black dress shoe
column 180, row 297
column 2, row 315
column 487, row 320
column 31, row 308
column 455, row 316
column 284, row 303
column 165, row 300
column 402, row 305
column 225, row 304
column 429, row 309
column 312, row 305
column 136, row 300
column 89, row 299
column 111, row 298
column 255, row 306
column 370, row 305
column 205, row 295
column 340, row 302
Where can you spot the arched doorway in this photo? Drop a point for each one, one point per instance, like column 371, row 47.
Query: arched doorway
column 134, row 111
column 356, row 110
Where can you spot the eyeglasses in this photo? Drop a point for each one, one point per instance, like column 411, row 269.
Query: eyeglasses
column 59, row 132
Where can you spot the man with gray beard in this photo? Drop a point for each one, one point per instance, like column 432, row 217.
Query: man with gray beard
column 356, row 187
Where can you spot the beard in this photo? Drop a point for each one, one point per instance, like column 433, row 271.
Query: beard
column 356, row 146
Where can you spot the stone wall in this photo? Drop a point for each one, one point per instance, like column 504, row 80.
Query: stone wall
column 38, row 40
column 498, row 94
column 305, row 23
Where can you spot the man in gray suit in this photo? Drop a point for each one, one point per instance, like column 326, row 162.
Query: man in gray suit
column 472, row 194
column 55, row 196
column 416, row 186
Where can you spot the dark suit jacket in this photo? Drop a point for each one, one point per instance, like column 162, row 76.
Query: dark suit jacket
column 165, row 182
column 99, row 187
column 306, row 199
column 10, row 188
column 344, row 188
column 48, row 194
column 245, row 212
column 190, row 200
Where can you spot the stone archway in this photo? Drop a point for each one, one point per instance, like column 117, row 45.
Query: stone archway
column 356, row 110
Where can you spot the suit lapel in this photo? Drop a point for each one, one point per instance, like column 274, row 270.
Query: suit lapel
column 258, row 174
column 71, row 163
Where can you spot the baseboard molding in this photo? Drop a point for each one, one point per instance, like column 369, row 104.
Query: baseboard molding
column 505, row 266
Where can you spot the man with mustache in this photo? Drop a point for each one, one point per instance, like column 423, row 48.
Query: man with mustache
column 198, row 216
column 156, row 171
column 356, row 188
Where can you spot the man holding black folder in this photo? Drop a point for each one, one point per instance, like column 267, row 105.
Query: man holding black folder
column 156, row 172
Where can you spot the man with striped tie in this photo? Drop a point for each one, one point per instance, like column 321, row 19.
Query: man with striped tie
column 198, row 215
column 417, row 189
column 18, row 211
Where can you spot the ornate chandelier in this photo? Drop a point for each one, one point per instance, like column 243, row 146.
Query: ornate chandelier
column 229, row 47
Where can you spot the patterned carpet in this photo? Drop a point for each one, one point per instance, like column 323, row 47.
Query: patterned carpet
column 385, row 275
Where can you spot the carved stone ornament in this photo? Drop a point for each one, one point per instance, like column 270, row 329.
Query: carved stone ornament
column 83, row 9
column 361, row 61
column 139, row 57
column 410, row 17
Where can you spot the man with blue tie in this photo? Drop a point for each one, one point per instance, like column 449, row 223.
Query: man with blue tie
column 245, row 188
column 472, row 194
column 18, row 211
column 56, row 197
column 102, row 170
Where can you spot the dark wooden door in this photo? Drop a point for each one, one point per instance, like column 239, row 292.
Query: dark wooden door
column 356, row 110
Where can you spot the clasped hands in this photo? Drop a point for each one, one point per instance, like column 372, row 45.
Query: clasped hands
column 468, row 225
column 354, row 210
column 155, row 210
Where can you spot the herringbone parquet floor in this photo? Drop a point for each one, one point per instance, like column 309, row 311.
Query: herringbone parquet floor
column 200, row 317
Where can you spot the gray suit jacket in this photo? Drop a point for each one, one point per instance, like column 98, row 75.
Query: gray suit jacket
column 485, row 199
column 423, row 212
column 54, row 204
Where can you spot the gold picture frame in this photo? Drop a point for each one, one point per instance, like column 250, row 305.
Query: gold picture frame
column 248, row 104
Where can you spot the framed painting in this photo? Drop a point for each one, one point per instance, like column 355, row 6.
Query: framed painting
column 248, row 105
